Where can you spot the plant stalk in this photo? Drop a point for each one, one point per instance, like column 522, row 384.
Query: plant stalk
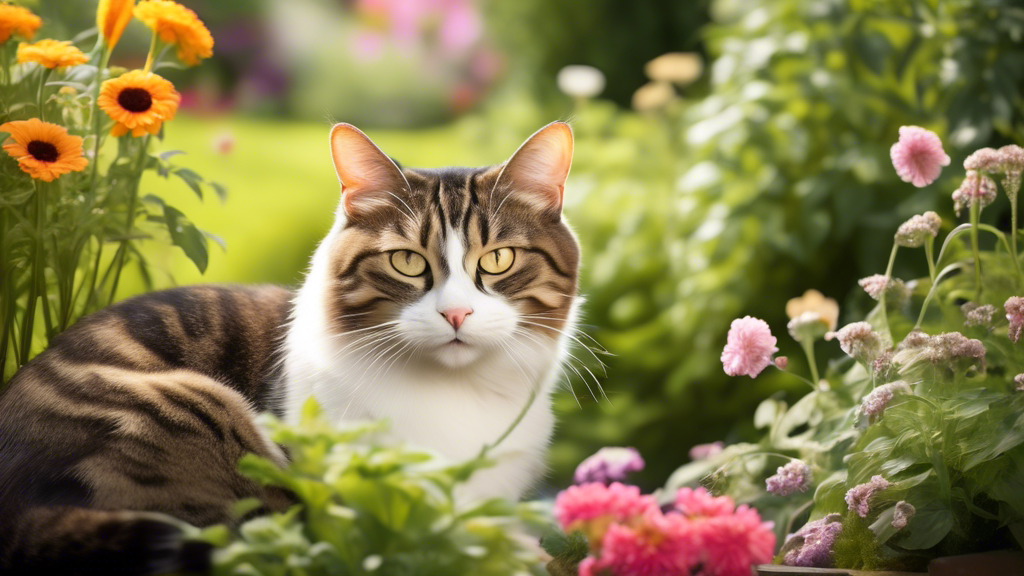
column 808, row 345
column 929, row 252
column 28, row 321
column 130, row 217
column 975, row 220
column 43, row 75
column 881, row 297
column 104, row 60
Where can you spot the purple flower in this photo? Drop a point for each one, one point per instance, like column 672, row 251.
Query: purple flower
column 793, row 477
column 1013, row 165
column 975, row 315
column 914, row 232
column 749, row 348
column 811, row 546
column 1014, row 307
column 984, row 159
column 609, row 465
column 1019, row 381
column 858, row 498
column 894, row 288
column 703, row 451
column 875, row 402
column 904, row 511
column 975, row 189
column 950, row 349
column 918, row 156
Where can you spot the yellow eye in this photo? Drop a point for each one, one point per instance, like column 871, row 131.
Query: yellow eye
column 498, row 261
column 408, row 263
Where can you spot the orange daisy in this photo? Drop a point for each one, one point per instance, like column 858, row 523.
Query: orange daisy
column 17, row 20
column 51, row 54
column 139, row 102
column 177, row 25
column 43, row 150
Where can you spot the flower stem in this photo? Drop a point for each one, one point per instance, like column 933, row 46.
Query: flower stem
column 519, row 418
column 808, row 346
column 975, row 220
column 43, row 75
column 38, row 255
column 881, row 297
column 129, row 217
column 1013, row 233
column 929, row 251
column 151, row 56
column 104, row 60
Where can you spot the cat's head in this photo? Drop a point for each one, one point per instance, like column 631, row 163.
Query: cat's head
column 451, row 265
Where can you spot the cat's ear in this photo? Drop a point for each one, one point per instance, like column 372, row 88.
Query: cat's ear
column 540, row 166
column 369, row 178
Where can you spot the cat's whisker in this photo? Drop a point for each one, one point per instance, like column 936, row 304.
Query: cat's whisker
column 568, row 335
column 411, row 215
column 366, row 337
column 567, row 381
column 573, row 368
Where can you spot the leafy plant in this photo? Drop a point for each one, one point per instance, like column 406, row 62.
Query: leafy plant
column 65, row 241
column 370, row 507
column 916, row 439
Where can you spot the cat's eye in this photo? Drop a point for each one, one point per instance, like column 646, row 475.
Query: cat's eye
column 408, row 263
column 498, row 261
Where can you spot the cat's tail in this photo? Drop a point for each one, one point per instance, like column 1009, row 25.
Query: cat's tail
column 82, row 541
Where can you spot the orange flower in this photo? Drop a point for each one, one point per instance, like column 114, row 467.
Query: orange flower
column 17, row 20
column 177, row 25
column 51, row 54
column 139, row 102
column 43, row 150
column 111, row 18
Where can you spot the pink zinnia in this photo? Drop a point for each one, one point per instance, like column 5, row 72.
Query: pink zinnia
column 749, row 348
column 700, row 503
column 735, row 542
column 918, row 156
column 609, row 464
column 658, row 545
column 578, row 505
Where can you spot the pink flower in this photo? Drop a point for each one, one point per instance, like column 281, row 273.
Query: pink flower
column 811, row 546
column 703, row 451
column 858, row 498
column 975, row 189
column 658, row 545
column 1018, row 380
column 1014, row 307
column 984, row 159
column 859, row 340
column 918, row 156
column 903, row 513
column 793, row 477
column 782, row 362
column 735, row 542
column 609, row 464
column 749, row 348
column 700, row 503
column 914, row 232
column 875, row 402
column 592, row 507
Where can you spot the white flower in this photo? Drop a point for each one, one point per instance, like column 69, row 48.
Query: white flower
column 580, row 81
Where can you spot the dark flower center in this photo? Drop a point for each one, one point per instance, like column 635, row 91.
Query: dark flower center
column 43, row 151
column 135, row 99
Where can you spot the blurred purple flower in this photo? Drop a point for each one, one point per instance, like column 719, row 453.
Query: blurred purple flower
column 858, row 498
column 904, row 512
column 609, row 464
column 811, row 546
column 1014, row 307
column 793, row 477
column 875, row 402
column 702, row 451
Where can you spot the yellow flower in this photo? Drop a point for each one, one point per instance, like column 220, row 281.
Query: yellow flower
column 813, row 301
column 177, row 25
column 51, row 54
column 139, row 102
column 43, row 150
column 17, row 20
column 111, row 18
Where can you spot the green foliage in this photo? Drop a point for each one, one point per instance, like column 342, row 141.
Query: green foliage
column 65, row 244
column 366, row 507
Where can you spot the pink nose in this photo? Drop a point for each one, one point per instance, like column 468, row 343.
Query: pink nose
column 456, row 316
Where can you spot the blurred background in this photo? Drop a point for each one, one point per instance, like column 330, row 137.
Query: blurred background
column 730, row 155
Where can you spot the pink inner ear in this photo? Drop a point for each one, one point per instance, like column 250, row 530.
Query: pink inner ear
column 541, row 165
column 367, row 175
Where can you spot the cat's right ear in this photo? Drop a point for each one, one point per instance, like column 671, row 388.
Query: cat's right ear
column 369, row 178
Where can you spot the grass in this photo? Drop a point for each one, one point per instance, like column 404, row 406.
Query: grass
column 282, row 193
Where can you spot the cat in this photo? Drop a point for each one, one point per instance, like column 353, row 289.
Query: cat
column 441, row 300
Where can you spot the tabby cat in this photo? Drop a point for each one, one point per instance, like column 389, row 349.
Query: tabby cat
column 438, row 300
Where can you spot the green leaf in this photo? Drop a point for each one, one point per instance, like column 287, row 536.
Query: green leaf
column 191, row 178
column 185, row 235
column 928, row 527
column 220, row 190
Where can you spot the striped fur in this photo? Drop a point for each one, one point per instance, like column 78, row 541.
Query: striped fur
column 139, row 413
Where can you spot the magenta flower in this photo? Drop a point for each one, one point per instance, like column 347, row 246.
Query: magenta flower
column 1014, row 307
column 918, row 156
column 749, row 348
column 703, row 451
column 811, row 546
column 793, row 477
column 609, row 464
column 577, row 507
column 700, row 503
column 858, row 498
column 734, row 542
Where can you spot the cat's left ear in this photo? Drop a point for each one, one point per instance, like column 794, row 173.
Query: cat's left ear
column 540, row 166
column 369, row 178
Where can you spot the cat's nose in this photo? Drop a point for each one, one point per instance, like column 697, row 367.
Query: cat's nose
column 456, row 316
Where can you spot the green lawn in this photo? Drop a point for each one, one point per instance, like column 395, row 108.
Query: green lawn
column 282, row 193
